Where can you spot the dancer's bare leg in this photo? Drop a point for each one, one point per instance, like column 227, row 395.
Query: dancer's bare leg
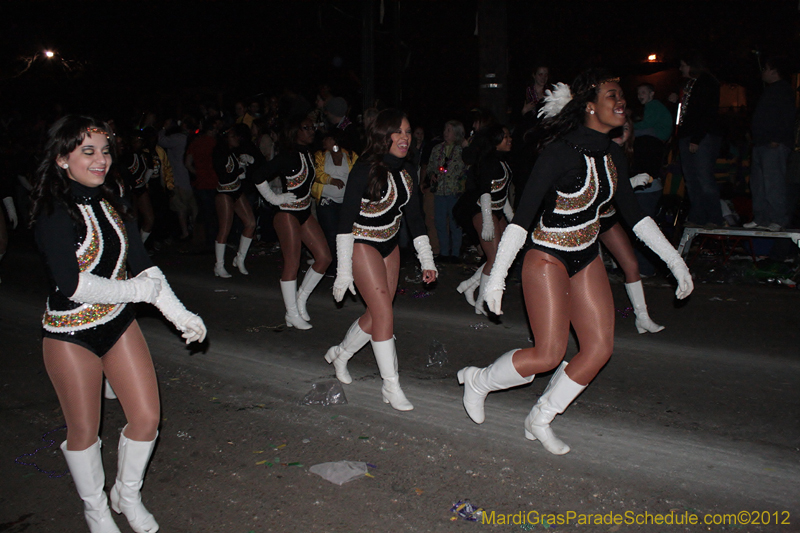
column 376, row 279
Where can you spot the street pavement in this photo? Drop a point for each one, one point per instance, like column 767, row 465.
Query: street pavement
column 705, row 413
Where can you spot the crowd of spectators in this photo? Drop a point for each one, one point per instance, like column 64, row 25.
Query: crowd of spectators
column 168, row 159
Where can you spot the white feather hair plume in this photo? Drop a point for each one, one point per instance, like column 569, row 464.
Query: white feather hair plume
column 555, row 100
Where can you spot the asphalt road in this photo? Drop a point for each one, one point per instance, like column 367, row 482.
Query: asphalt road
column 701, row 418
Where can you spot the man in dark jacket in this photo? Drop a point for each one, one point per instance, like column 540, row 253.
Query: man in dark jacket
column 773, row 136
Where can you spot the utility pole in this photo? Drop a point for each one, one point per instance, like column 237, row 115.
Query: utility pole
column 493, row 57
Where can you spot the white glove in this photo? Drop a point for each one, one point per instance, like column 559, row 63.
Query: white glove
column 344, row 266
column 487, row 229
column 640, row 180
column 647, row 230
column 12, row 212
column 246, row 159
column 513, row 238
column 98, row 290
column 508, row 211
column 424, row 253
column 188, row 323
column 275, row 199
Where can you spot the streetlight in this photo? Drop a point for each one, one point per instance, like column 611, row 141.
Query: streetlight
column 49, row 54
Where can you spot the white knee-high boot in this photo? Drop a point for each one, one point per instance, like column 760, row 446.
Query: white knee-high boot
column 219, row 266
column 644, row 324
column 354, row 340
column 560, row 392
column 86, row 467
column 468, row 286
column 125, row 495
column 310, row 282
column 292, row 317
column 386, row 357
column 479, row 382
column 238, row 261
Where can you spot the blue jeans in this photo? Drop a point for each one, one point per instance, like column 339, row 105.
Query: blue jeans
column 449, row 244
column 768, row 184
column 698, row 172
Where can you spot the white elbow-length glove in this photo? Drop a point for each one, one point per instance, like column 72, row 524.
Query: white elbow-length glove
column 640, row 180
column 508, row 211
column 245, row 159
column 647, row 230
column 344, row 266
column 487, row 228
column 188, row 323
column 424, row 253
column 275, row 199
column 11, row 211
column 98, row 290
column 513, row 238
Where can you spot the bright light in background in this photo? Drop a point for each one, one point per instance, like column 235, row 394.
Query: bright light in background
column 652, row 58
column 49, row 54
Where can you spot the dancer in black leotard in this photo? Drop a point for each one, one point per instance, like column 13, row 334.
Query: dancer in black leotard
column 488, row 206
column 294, row 224
column 579, row 172
column 381, row 189
column 90, row 242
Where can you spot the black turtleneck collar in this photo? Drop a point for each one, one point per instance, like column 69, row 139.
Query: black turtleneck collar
column 82, row 193
column 394, row 162
column 588, row 139
column 501, row 155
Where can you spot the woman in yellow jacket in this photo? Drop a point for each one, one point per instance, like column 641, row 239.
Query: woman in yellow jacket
column 332, row 165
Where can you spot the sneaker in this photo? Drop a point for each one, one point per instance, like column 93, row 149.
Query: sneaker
column 773, row 226
column 750, row 225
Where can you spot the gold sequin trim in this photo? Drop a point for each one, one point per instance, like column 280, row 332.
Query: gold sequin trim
column 229, row 187
column 293, row 182
column 299, row 205
column 87, row 315
column 567, row 203
column 381, row 234
column 567, row 239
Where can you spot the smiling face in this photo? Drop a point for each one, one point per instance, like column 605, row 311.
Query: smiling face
column 401, row 139
column 89, row 163
column 505, row 144
column 644, row 94
column 608, row 112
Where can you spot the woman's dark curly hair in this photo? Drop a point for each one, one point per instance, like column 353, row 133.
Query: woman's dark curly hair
column 379, row 142
column 584, row 90
column 52, row 183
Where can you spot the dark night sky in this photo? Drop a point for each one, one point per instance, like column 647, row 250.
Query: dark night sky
column 127, row 55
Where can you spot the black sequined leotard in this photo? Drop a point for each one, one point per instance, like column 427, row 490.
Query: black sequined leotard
column 296, row 170
column 377, row 223
column 229, row 171
column 101, row 244
column 494, row 178
column 574, row 181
